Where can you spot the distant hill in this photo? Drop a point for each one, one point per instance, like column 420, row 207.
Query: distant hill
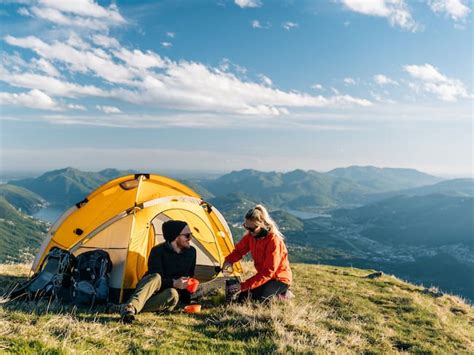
column 416, row 220
column 303, row 190
column 286, row 221
column 18, row 232
column 293, row 189
column 65, row 187
column 423, row 239
column 21, row 198
column 198, row 188
column 235, row 206
column 68, row 186
column 385, row 179
column 454, row 187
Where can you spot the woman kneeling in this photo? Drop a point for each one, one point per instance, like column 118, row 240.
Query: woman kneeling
column 269, row 253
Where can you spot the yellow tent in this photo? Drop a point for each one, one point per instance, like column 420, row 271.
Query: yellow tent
column 124, row 218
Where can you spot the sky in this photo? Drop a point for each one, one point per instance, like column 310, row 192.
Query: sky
column 221, row 85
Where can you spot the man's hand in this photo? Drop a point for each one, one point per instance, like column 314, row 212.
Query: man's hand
column 181, row 283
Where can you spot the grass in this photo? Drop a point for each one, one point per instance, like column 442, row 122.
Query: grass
column 336, row 310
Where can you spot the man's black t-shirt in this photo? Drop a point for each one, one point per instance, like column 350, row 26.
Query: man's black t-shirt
column 170, row 264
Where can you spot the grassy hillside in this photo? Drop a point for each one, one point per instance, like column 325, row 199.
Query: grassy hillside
column 21, row 198
column 19, row 233
column 336, row 310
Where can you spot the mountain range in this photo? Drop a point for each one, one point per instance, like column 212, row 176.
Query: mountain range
column 298, row 189
column 304, row 190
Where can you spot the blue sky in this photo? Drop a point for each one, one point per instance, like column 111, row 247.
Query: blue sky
column 225, row 85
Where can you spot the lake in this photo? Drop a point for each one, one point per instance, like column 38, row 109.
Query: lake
column 49, row 214
column 307, row 215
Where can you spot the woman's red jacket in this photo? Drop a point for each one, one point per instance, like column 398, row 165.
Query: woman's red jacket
column 270, row 258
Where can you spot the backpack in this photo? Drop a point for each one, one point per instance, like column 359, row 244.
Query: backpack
column 90, row 278
column 52, row 278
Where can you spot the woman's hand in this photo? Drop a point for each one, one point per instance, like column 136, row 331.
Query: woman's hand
column 227, row 266
column 181, row 283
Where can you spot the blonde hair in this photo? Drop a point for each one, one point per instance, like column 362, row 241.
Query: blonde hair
column 261, row 217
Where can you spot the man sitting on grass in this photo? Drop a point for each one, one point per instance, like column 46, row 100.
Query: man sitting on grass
column 170, row 265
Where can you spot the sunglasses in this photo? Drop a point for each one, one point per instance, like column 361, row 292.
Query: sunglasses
column 187, row 235
column 249, row 229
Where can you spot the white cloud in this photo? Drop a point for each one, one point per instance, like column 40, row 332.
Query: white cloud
column 108, row 109
column 430, row 80
column 379, row 98
column 425, row 72
column 381, row 80
column 265, row 80
column 456, row 9
column 146, row 78
column 105, row 41
column 59, row 18
column 205, row 120
column 86, row 14
column 170, row 34
column 317, row 87
column 33, row 99
column 76, row 107
column 138, row 59
column 349, row 81
column 289, row 25
column 18, row 65
column 194, row 86
column 248, row 3
column 396, row 11
column 86, row 8
column 451, row 90
column 50, row 85
column 260, row 25
column 167, row 44
column 77, row 42
column 349, row 100
column 227, row 65
column 83, row 61
column 23, row 11
column 46, row 67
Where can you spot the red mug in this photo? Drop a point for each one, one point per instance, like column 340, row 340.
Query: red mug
column 192, row 285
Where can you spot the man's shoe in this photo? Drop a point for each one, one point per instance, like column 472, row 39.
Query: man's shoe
column 113, row 308
column 128, row 313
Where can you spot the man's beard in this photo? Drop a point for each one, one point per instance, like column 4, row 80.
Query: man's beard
column 184, row 245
